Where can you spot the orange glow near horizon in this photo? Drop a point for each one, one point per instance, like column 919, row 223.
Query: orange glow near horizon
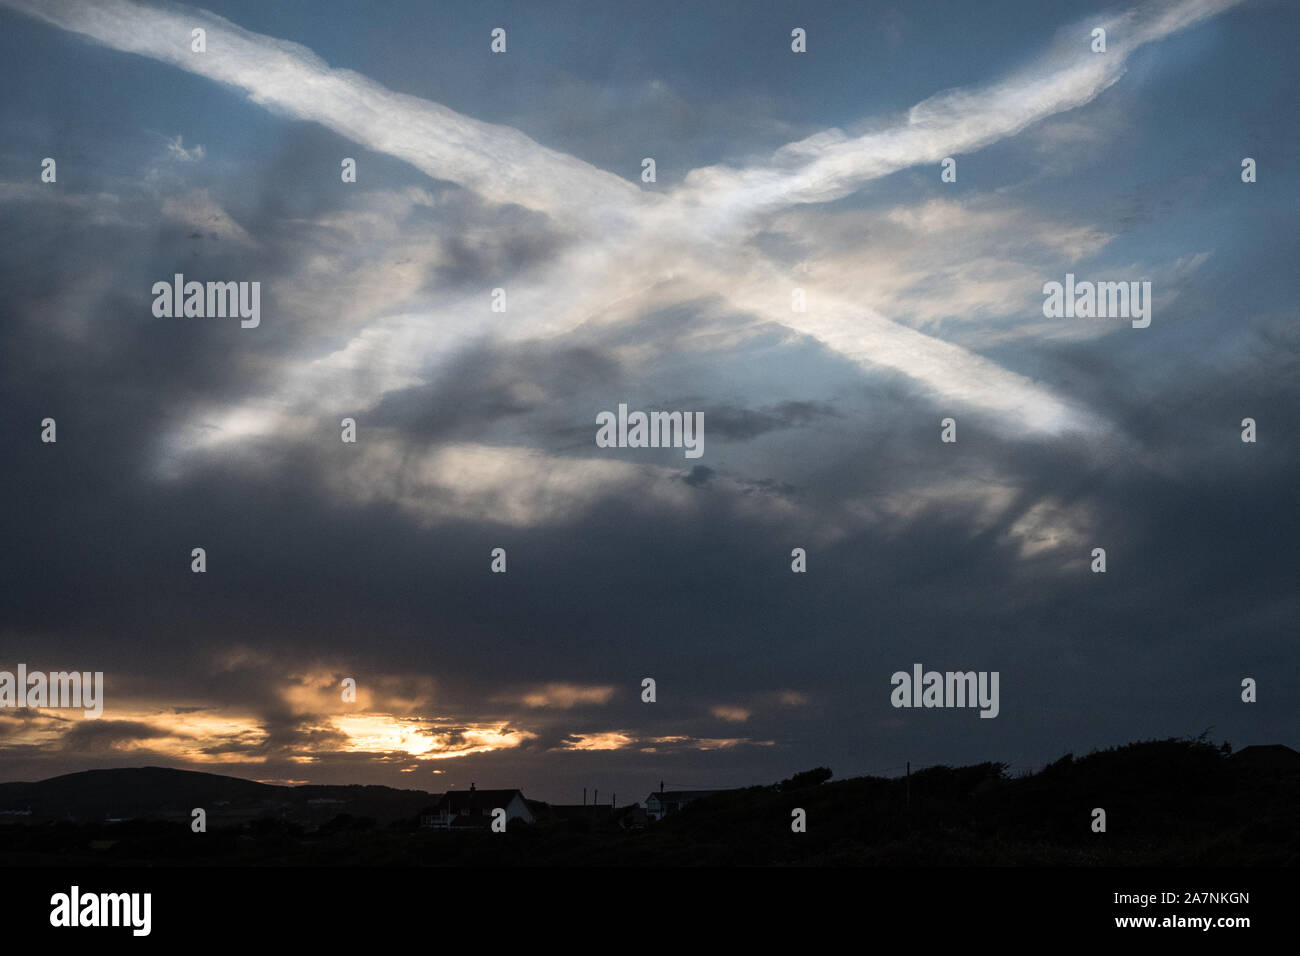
column 313, row 724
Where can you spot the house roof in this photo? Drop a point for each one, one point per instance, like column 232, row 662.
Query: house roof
column 469, row 823
column 458, row 801
column 1269, row 757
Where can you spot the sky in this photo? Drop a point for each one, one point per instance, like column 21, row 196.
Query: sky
column 476, row 429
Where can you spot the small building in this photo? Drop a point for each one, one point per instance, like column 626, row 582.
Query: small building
column 1277, row 758
column 663, row 802
column 474, row 807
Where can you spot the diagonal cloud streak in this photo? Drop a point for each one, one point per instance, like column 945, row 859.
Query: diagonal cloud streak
column 829, row 165
column 497, row 162
column 658, row 235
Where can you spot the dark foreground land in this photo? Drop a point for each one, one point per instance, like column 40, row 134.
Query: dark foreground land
column 1167, row 803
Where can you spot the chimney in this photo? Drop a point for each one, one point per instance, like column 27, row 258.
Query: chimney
column 471, row 787
column 661, row 786
column 595, row 797
column 584, row 796
column 613, row 802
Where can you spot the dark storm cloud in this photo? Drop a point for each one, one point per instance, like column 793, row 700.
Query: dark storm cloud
column 104, row 735
column 1198, row 550
column 699, row 476
column 517, row 241
column 487, row 383
column 918, row 551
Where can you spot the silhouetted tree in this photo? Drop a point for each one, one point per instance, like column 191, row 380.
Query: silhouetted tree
column 809, row 778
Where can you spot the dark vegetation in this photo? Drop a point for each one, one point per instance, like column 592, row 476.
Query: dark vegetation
column 1171, row 802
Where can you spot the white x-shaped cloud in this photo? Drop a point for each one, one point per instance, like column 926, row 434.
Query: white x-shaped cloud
column 629, row 239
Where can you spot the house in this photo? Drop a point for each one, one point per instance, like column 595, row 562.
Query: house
column 663, row 802
column 474, row 807
column 1277, row 758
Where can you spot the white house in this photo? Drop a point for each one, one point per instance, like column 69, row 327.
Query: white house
column 473, row 808
column 663, row 802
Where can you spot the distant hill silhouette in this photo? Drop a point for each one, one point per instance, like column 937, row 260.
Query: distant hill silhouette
column 1170, row 802
column 94, row 796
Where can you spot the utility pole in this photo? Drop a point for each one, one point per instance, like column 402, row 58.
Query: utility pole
column 909, row 786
